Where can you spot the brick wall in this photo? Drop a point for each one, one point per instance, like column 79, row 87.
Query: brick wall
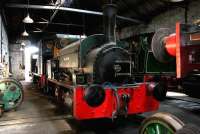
column 4, row 53
column 167, row 19
column 16, row 58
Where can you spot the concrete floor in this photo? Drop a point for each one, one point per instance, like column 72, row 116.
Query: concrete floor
column 38, row 115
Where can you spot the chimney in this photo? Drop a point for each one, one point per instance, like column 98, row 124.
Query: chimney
column 109, row 14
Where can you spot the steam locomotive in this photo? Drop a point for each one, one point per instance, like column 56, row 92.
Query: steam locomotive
column 98, row 77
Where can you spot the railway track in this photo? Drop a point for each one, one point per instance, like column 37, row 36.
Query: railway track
column 185, row 103
column 188, row 99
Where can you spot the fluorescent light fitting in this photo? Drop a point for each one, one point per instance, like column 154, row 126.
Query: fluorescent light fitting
column 69, row 36
column 176, row 0
column 28, row 19
column 37, row 31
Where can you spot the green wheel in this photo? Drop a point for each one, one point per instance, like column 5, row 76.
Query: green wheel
column 11, row 93
column 16, row 81
column 161, row 123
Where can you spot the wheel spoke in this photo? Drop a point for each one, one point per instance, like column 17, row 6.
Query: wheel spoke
column 150, row 130
column 158, row 129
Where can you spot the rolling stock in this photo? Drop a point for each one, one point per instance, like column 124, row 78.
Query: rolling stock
column 95, row 77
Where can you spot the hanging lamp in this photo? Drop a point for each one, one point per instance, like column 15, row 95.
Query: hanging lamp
column 25, row 33
column 23, row 44
column 21, row 48
column 28, row 19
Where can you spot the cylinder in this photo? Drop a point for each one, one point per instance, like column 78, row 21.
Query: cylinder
column 109, row 12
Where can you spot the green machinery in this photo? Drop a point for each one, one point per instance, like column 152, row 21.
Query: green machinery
column 11, row 94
